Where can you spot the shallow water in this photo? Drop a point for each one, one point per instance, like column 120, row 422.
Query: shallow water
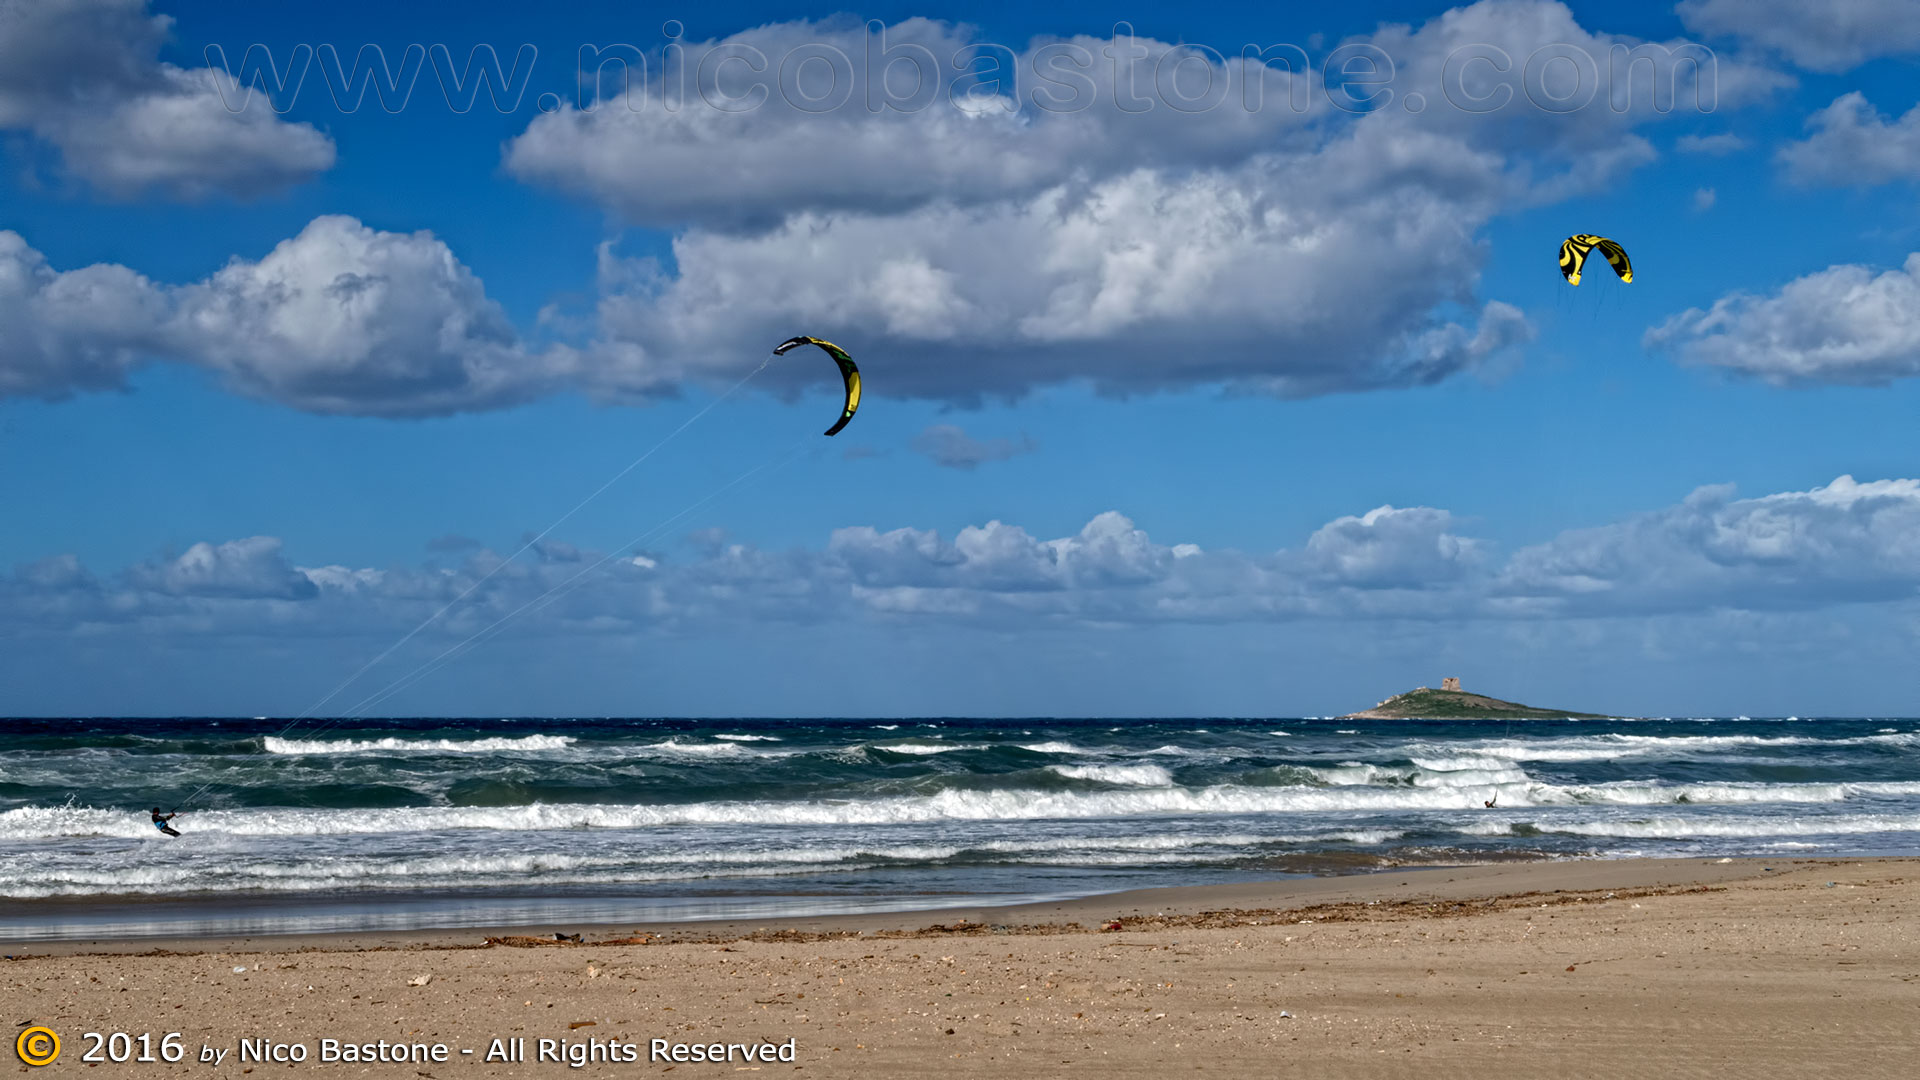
column 404, row 823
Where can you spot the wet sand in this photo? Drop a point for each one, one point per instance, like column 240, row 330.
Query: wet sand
column 1801, row 967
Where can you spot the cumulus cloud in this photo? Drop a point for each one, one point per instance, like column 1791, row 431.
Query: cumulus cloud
column 1126, row 242
column 1845, row 542
column 75, row 330
column 742, row 131
column 1830, row 37
column 712, row 141
column 1844, row 324
column 249, row 569
column 1853, row 144
column 1276, row 281
column 949, row 446
column 347, row 319
column 1703, row 199
column 1848, row 542
column 998, row 246
column 84, row 75
column 1394, row 548
column 339, row 319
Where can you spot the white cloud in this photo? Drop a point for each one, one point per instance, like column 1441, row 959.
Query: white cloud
column 339, row 319
column 1852, row 144
column 1273, row 251
column 949, row 446
column 84, row 75
column 78, row 330
column 1845, row 543
column 711, row 142
column 1844, row 324
column 1262, row 251
column 1276, row 278
column 347, row 319
column 1137, row 285
column 247, row 569
column 661, row 155
column 1832, row 36
column 1394, row 548
column 1703, row 199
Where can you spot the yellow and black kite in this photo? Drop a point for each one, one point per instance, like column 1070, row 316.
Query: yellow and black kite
column 1573, row 256
column 848, row 372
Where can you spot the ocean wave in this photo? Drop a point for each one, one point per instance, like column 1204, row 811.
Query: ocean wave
column 920, row 748
column 1172, row 750
column 676, row 748
column 1461, row 762
column 1123, row 775
column 524, row 744
column 749, row 738
column 152, row 882
column 239, row 872
column 955, row 804
column 1691, row 827
column 1615, row 745
column 951, row 805
column 1493, row 774
column 1057, row 747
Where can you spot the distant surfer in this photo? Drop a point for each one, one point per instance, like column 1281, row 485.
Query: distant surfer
column 1489, row 803
column 160, row 821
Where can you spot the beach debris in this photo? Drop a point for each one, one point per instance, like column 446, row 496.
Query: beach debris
column 592, row 972
column 1285, row 1015
column 1114, row 925
column 1723, row 860
column 518, row 941
column 239, row 968
column 578, row 1024
column 420, row 980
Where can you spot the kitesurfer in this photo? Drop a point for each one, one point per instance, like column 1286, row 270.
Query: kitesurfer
column 160, row 821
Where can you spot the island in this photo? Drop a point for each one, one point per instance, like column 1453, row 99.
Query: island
column 1452, row 703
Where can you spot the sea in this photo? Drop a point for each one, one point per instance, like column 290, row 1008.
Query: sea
column 396, row 824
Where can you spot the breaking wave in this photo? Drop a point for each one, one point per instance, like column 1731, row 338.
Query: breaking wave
column 1124, row 775
column 523, row 745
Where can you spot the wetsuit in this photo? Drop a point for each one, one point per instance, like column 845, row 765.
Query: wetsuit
column 160, row 822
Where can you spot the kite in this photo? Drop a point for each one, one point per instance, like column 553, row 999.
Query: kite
column 848, row 372
column 1573, row 257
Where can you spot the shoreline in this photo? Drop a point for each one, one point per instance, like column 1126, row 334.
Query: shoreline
column 1477, row 882
column 1605, row 967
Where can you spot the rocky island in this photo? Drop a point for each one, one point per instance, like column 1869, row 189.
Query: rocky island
column 1452, row 703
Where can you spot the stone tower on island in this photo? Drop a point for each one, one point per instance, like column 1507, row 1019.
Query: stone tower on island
column 1451, row 682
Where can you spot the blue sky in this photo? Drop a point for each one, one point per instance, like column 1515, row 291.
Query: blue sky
column 1168, row 412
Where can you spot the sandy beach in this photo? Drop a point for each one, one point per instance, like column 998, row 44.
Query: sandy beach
column 1800, row 967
